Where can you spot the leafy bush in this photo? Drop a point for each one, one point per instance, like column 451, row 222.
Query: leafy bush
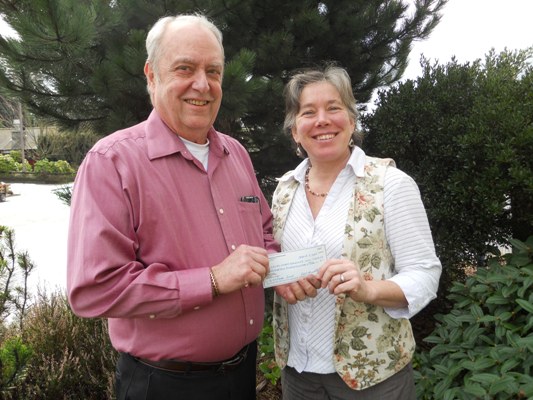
column 14, row 356
column 483, row 348
column 73, row 357
column 7, row 164
column 267, row 362
column 464, row 133
column 16, row 155
column 70, row 146
column 53, row 167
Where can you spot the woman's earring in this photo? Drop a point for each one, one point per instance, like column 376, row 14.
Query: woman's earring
column 299, row 152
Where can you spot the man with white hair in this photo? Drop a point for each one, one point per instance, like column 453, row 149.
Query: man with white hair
column 170, row 233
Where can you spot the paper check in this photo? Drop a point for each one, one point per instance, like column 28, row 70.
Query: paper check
column 289, row 266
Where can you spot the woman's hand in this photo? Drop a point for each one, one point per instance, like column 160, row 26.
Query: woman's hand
column 343, row 276
column 300, row 290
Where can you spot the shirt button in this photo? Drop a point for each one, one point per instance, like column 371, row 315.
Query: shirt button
column 221, row 211
column 233, row 247
column 251, row 322
column 197, row 307
column 152, row 316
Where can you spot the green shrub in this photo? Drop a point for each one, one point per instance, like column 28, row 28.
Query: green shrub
column 14, row 356
column 267, row 363
column 73, row 357
column 53, row 167
column 16, row 155
column 7, row 164
column 483, row 348
column 70, row 146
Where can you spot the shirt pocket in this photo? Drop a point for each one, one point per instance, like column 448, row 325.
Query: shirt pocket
column 251, row 223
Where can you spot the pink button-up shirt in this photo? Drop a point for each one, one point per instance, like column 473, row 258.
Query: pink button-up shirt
column 147, row 222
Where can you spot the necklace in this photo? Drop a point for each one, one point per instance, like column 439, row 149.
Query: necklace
column 307, row 185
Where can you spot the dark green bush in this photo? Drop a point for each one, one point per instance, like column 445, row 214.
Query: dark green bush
column 483, row 348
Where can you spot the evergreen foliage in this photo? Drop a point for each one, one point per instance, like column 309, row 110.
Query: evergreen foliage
column 464, row 132
column 80, row 62
column 15, row 268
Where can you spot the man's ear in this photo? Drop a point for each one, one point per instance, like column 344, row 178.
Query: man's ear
column 149, row 73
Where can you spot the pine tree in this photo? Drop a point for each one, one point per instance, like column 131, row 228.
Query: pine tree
column 80, row 62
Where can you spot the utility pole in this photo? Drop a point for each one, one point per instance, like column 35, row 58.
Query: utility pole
column 22, row 139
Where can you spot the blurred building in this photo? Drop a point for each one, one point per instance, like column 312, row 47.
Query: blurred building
column 10, row 139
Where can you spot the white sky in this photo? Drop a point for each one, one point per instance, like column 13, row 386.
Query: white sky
column 468, row 30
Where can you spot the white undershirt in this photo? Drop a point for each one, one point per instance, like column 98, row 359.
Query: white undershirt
column 199, row 151
column 311, row 322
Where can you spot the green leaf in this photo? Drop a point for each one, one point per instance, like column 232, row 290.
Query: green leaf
column 467, row 318
column 521, row 259
column 441, row 387
column 441, row 368
column 456, row 335
column 525, row 286
column 497, row 299
column 509, row 365
column 439, row 350
column 508, row 290
column 450, row 394
column 505, row 384
column 476, row 311
column 479, row 364
column 500, row 331
column 487, row 318
column 528, row 390
column 484, row 378
column 519, row 245
column 526, row 305
column 434, row 339
column 504, row 316
column 525, row 341
column 475, row 388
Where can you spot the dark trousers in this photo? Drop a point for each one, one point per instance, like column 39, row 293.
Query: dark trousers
column 138, row 381
column 310, row 386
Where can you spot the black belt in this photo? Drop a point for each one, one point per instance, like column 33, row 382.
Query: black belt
column 189, row 366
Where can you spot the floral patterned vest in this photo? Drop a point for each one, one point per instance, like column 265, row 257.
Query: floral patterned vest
column 369, row 345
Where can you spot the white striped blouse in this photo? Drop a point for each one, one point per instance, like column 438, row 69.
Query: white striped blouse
column 311, row 321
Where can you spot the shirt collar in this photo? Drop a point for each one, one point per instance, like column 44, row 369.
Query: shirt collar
column 356, row 162
column 161, row 141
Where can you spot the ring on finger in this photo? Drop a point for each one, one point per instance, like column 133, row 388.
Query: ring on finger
column 341, row 278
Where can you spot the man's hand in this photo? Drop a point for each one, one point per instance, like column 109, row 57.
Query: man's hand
column 247, row 265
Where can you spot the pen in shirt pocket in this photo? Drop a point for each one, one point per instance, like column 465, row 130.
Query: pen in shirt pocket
column 252, row 199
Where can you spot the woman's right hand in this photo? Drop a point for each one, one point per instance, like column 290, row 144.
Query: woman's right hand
column 300, row 290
